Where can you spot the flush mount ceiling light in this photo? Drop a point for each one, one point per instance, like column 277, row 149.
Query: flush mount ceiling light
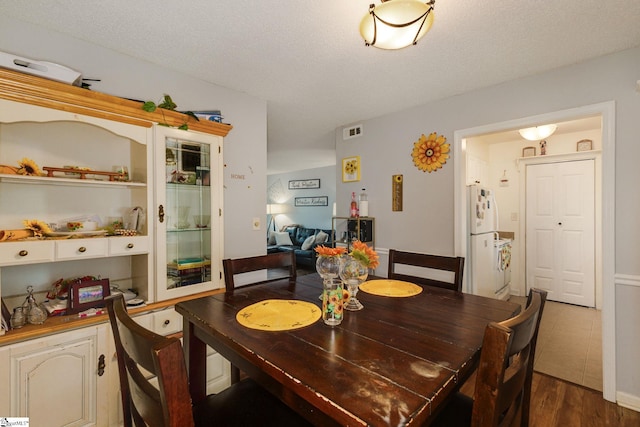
column 396, row 23
column 537, row 133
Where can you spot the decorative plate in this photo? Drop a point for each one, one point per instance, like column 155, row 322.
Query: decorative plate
column 390, row 288
column 278, row 315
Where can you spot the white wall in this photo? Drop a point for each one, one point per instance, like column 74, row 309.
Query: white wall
column 427, row 221
column 311, row 217
column 245, row 148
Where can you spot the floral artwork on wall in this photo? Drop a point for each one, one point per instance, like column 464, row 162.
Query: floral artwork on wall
column 351, row 169
column 430, row 153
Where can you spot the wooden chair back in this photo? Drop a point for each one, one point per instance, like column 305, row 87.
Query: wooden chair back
column 435, row 262
column 279, row 261
column 507, row 355
column 139, row 350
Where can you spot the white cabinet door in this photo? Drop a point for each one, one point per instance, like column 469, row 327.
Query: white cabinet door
column 58, row 380
column 189, row 224
column 560, row 231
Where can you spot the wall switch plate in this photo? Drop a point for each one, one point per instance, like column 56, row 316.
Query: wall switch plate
column 256, row 223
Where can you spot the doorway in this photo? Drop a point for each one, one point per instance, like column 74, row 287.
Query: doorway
column 606, row 187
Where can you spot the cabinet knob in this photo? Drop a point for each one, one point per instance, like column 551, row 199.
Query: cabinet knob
column 101, row 365
column 130, row 246
column 82, row 249
column 161, row 213
column 166, row 322
column 23, row 253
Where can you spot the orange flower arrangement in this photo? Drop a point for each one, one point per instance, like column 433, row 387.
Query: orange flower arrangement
column 325, row 251
column 365, row 254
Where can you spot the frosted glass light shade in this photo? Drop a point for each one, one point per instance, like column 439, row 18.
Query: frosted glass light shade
column 538, row 132
column 396, row 23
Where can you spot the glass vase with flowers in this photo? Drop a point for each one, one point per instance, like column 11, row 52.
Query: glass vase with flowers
column 333, row 295
column 354, row 269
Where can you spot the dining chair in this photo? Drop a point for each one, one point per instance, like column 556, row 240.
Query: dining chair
column 503, row 378
column 426, row 262
column 279, row 261
column 278, row 265
column 163, row 400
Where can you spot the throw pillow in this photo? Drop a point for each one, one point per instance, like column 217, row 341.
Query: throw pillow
column 308, row 242
column 272, row 238
column 283, row 238
column 321, row 237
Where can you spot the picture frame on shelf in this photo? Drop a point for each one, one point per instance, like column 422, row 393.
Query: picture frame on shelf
column 351, row 169
column 311, row 201
column 584, row 145
column 304, row 184
column 529, row 152
column 87, row 294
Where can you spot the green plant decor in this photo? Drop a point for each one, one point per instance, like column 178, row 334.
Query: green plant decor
column 168, row 104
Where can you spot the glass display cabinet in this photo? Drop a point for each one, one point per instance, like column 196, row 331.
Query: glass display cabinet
column 189, row 227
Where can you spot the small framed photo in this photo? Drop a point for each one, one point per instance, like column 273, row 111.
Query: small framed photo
column 528, row 151
column 351, row 169
column 584, row 145
column 87, row 294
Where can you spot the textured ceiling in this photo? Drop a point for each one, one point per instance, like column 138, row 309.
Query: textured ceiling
column 307, row 60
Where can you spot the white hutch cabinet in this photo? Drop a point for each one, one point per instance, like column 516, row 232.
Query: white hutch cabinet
column 64, row 373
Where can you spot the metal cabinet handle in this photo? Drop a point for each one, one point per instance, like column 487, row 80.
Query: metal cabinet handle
column 23, row 253
column 166, row 322
column 130, row 246
column 82, row 249
column 161, row 213
column 101, row 365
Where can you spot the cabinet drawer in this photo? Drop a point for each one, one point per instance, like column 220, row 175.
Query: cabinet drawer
column 81, row 248
column 12, row 253
column 167, row 322
column 128, row 245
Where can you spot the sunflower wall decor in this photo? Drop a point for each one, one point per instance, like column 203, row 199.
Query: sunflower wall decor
column 430, row 153
column 351, row 169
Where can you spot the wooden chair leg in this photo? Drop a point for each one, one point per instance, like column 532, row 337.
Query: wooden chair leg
column 235, row 374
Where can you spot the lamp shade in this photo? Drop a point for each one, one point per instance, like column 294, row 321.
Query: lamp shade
column 396, row 23
column 537, row 133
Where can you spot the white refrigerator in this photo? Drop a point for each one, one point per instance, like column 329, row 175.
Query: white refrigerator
column 483, row 227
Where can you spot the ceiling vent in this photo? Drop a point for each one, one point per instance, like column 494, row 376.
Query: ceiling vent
column 352, row 132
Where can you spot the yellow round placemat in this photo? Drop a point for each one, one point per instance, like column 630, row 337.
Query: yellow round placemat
column 278, row 315
column 390, row 288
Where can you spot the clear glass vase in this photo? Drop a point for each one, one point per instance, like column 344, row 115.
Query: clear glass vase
column 328, row 267
column 352, row 273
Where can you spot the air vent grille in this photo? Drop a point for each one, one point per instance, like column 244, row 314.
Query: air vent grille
column 352, row 132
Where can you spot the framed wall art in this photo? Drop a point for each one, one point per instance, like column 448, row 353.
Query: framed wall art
column 528, row 151
column 304, row 184
column 351, row 169
column 311, row 201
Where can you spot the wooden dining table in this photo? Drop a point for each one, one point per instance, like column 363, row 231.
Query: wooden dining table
column 393, row 363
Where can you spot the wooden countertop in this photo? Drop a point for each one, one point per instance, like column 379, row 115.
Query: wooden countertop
column 58, row 324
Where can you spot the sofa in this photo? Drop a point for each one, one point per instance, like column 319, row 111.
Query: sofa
column 301, row 240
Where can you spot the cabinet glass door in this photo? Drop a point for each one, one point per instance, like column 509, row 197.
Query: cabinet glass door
column 188, row 204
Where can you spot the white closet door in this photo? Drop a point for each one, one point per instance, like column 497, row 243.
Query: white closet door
column 560, row 230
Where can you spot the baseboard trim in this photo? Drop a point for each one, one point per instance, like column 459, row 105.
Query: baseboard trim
column 628, row 401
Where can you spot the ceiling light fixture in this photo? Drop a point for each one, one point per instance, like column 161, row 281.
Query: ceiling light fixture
column 537, row 133
column 396, row 23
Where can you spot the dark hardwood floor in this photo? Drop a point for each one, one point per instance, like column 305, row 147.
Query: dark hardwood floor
column 558, row 403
